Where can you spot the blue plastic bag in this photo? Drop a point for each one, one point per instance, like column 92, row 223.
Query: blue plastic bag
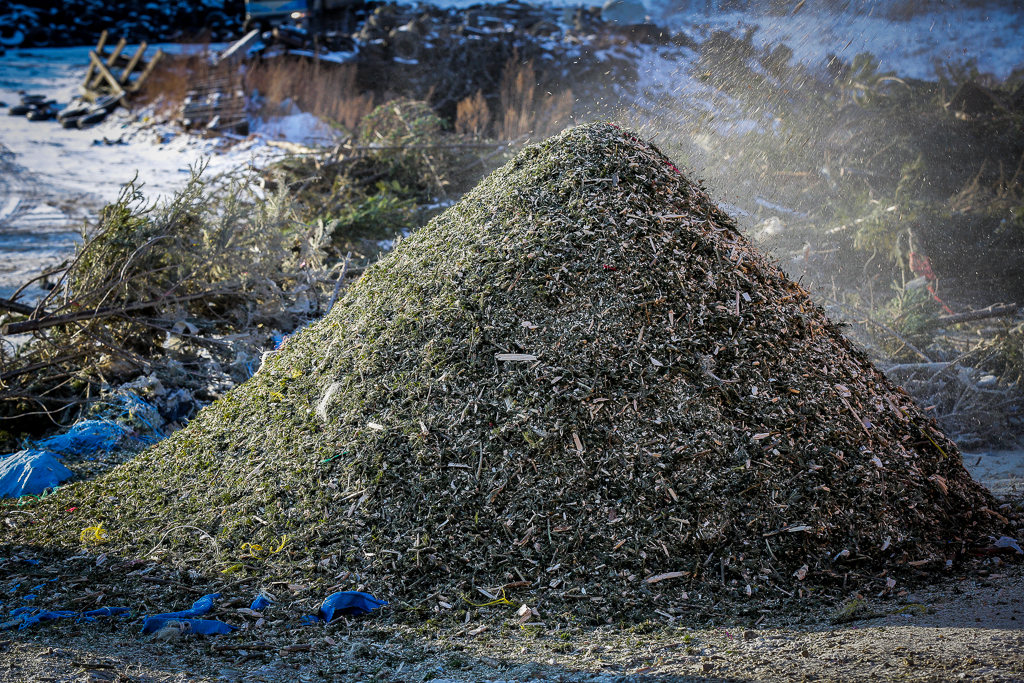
column 203, row 627
column 85, row 438
column 345, row 603
column 29, row 473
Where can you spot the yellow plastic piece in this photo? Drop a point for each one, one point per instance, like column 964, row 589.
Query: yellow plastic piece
column 255, row 549
column 94, row 534
column 500, row 601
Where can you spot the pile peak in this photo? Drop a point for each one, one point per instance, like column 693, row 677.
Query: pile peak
column 580, row 379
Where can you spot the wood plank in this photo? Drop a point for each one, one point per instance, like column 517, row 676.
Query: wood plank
column 104, row 73
column 99, row 50
column 134, row 62
column 111, row 60
column 238, row 50
column 134, row 87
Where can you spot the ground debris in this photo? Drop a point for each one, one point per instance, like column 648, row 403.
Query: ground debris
column 688, row 422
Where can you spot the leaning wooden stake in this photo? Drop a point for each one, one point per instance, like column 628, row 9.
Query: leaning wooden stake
column 100, row 44
column 133, row 62
column 145, row 72
column 111, row 61
column 104, row 73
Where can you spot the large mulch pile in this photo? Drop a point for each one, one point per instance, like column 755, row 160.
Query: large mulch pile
column 581, row 380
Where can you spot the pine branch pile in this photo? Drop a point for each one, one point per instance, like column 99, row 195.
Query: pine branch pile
column 579, row 382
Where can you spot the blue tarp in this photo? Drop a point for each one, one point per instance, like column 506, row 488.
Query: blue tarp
column 85, row 438
column 29, row 473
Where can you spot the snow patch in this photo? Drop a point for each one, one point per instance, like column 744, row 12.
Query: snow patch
column 302, row 128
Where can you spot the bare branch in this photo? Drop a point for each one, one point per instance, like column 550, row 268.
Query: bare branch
column 43, row 323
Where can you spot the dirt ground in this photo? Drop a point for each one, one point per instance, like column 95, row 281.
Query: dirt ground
column 968, row 627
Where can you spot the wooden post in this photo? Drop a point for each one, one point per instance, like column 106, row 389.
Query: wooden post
column 133, row 62
column 111, row 60
column 134, row 87
column 104, row 73
column 99, row 50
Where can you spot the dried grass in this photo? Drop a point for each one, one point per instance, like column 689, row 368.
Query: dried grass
column 327, row 91
column 473, row 116
column 174, row 76
column 518, row 86
column 523, row 113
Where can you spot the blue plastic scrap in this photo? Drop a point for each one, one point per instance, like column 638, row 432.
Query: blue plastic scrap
column 139, row 409
column 1007, row 542
column 24, row 617
column 348, row 603
column 260, row 603
column 30, row 472
column 203, row 627
column 45, row 615
column 186, row 621
column 85, row 438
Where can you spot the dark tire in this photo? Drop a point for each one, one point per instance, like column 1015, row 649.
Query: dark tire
column 405, row 45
